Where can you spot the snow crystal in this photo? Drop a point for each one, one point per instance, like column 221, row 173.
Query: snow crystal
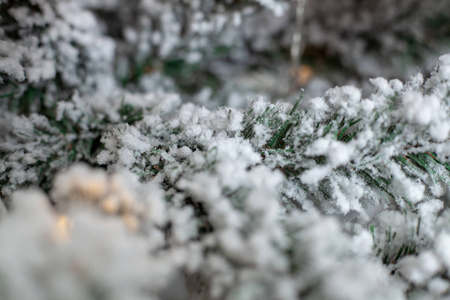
column 396, row 85
column 317, row 105
column 363, row 138
column 440, row 130
column 419, row 109
column 419, row 270
column 314, row 175
column 347, row 194
column 132, row 139
column 362, row 243
column 81, row 19
column 202, row 187
column 10, row 60
column 441, row 246
column 372, row 282
column 431, row 207
column 367, row 107
column 39, row 67
column 236, row 149
column 338, row 152
column 414, row 83
column 382, row 86
column 345, row 98
column 413, row 190
column 395, row 221
column 438, row 286
column 184, row 152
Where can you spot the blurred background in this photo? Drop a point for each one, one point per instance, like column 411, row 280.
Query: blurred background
column 214, row 52
column 220, row 52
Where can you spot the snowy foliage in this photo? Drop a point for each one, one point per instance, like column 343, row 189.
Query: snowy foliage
column 55, row 46
column 96, row 46
column 82, row 253
column 231, row 185
column 107, row 190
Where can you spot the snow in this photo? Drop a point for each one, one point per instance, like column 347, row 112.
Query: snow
column 441, row 245
column 338, row 153
column 419, row 109
column 314, row 175
column 98, row 248
column 80, row 182
column 199, row 190
column 345, row 99
column 371, row 284
column 10, row 57
column 438, row 286
column 382, row 86
column 419, row 270
column 412, row 190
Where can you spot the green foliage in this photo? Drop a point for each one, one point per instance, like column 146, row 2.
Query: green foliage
column 130, row 114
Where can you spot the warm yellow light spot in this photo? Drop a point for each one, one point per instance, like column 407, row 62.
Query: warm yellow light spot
column 131, row 222
column 126, row 201
column 63, row 227
column 303, row 74
column 93, row 189
column 110, row 205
